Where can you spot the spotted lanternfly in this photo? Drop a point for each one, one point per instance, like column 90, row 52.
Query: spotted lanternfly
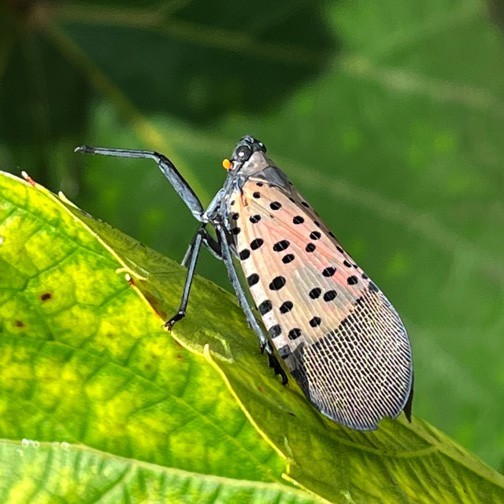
column 336, row 332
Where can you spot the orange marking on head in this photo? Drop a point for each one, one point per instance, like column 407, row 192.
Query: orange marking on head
column 226, row 164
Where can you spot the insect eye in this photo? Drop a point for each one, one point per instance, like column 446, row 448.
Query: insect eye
column 243, row 152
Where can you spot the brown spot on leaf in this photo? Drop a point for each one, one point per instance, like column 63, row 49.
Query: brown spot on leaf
column 46, row 296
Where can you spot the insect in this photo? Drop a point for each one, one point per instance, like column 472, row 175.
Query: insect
column 332, row 327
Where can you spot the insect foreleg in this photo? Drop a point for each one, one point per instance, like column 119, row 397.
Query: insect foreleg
column 190, row 260
column 167, row 167
column 244, row 303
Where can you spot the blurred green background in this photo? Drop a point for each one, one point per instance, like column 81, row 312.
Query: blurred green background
column 388, row 115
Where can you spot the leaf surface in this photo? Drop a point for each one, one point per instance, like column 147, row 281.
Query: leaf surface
column 94, row 392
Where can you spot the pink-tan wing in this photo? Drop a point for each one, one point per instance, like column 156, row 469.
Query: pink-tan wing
column 337, row 333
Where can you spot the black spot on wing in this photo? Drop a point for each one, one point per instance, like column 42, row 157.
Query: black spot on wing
column 352, row 280
column 286, row 259
column 329, row 271
column 281, row 245
column 294, row 333
column 286, row 307
column 275, row 331
column 330, row 295
column 252, row 279
column 244, row 254
column 373, row 288
column 255, row 244
column 277, row 283
column 265, row 307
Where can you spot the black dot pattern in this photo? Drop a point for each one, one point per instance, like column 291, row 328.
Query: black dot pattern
column 275, row 331
column 298, row 219
column 305, row 204
column 330, row 295
column 259, row 184
column 244, row 254
column 277, row 283
column 286, row 307
column 328, row 272
column 284, row 351
column 276, row 205
column 236, row 230
column 255, row 244
column 255, row 219
column 352, row 280
column 256, row 195
column 265, row 307
column 288, row 258
column 348, row 264
column 235, row 216
column 315, row 235
column 310, row 247
column 315, row 321
column 281, row 245
column 315, row 293
column 252, row 279
column 294, row 333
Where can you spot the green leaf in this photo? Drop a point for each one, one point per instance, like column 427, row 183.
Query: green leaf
column 387, row 115
column 98, row 400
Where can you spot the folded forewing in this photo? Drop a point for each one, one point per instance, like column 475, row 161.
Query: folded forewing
column 338, row 334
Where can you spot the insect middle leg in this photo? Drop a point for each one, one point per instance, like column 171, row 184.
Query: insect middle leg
column 190, row 260
column 210, row 243
column 245, row 305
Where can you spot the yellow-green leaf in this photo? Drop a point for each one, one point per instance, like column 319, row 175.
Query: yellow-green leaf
column 98, row 400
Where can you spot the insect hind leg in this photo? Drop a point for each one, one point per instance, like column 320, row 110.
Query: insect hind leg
column 247, row 309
